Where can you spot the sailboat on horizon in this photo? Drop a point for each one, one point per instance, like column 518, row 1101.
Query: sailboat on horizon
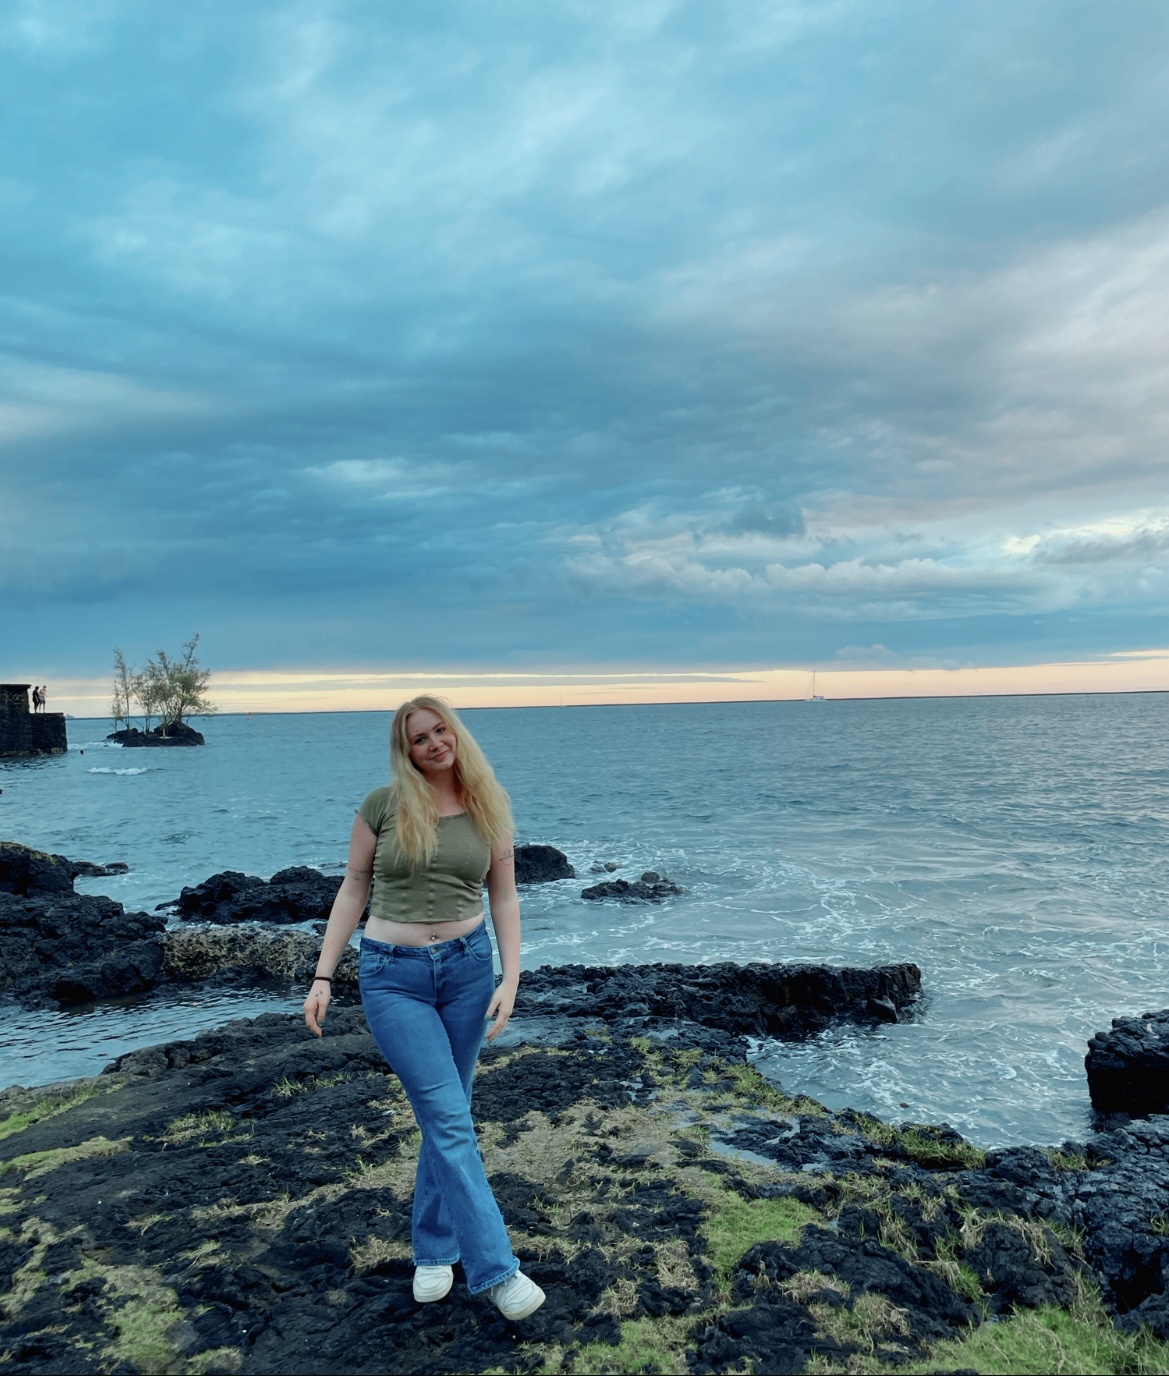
column 813, row 696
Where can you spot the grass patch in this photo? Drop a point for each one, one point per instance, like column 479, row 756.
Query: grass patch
column 654, row 1346
column 215, row 1359
column 871, row 1323
column 925, row 1145
column 50, row 1105
column 207, row 1253
column 958, row 1275
column 142, row 1322
column 1066, row 1160
column 374, row 1250
column 1071, row 1238
column 758, row 1091
column 1079, row 1339
column 145, row 1222
column 734, row 1224
column 285, row 1088
column 198, row 1126
column 1043, row 1340
column 28, row 1279
column 37, row 1163
column 755, row 1089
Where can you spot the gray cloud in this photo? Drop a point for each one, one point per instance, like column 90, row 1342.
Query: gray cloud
column 658, row 329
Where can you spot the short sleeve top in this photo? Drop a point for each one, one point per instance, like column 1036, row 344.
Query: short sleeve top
column 448, row 889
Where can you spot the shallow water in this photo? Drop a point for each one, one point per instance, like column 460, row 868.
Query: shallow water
column 1015, row 848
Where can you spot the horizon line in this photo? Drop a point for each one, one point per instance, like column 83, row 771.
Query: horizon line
column 688, row 702
column 301, row 692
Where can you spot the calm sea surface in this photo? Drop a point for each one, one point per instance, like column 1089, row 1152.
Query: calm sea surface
column 1016, row 848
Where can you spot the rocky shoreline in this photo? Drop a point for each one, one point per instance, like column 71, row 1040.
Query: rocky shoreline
column 71, row 949
column 240, row 1201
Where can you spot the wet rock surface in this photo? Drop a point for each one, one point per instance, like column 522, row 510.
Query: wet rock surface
column 298, row 894
column 650, row 888
column 72, row 949
column 176, row 734
column 237, row 1201
column 67, row 948
column 232, row 1202
column 1128, row 1066
column 27, row 871
column 536, row 864
column 755, row 999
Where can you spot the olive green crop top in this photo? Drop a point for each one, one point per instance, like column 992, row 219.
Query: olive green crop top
column 449, row 889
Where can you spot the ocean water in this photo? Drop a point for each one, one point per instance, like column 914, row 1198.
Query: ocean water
column 1016, row 848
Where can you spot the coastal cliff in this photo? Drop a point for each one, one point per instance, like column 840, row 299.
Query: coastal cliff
column 24, row 733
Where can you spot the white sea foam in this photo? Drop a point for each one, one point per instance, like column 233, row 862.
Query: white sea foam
column 101, row 769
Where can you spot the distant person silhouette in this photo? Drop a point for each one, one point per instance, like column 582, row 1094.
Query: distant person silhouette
column 36, row 698
column 44, row 695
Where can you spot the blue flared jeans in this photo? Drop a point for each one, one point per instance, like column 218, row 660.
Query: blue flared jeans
column 427, row 1007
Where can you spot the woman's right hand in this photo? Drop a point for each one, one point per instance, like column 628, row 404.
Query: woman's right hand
column 316, row 1005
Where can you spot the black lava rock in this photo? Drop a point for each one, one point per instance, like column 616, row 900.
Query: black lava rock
column 69, row 948
column 177, row 733
column 25, row 871
column 650, row 888
column 541, row 865
column 298, row 894
column 1128, row 1067
column 744, row 1000
column 1014, row 1276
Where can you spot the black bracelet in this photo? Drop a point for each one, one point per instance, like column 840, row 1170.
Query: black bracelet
column 324, row 977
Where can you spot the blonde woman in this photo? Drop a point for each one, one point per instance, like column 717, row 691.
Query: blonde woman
column 430, row 838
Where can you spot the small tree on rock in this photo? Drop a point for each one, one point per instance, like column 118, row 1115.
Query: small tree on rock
column 171, row 689
column 182, row 685
column 122, row 701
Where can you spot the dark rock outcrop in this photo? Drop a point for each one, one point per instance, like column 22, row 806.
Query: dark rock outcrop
column 73, row 948
column 541, row 865
column 67, row 948
column 650, row 888
column 1128, row 1067
column 176, row 733
column 755, row 999
column 248, row 955
column 252, row 1186
column 25, row 734
column 297, row 894
column 24, row 870
column 89, row 870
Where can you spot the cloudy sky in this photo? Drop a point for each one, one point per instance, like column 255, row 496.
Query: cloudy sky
column 599, row 336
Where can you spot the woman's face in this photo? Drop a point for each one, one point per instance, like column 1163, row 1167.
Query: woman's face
column 431, row 741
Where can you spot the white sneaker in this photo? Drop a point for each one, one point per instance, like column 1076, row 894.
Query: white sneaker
column 432, row 1283
column 516, row 1297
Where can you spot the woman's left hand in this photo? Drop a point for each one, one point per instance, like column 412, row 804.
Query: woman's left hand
column 502, row 1002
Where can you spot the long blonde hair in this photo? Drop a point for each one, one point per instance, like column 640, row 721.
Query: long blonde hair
column 411, row 798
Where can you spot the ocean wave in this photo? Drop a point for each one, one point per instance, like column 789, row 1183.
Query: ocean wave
column 103, row 769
